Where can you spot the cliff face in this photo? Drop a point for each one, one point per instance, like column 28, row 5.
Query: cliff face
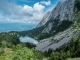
column 56, row 20
column 62, row 11
column 44, row 19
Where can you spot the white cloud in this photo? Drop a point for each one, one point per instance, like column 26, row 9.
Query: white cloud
column 46, row 2
column 22, row 14
column 27, row 8
column 38, row 7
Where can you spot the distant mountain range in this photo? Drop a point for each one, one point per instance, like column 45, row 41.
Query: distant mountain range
column 6, row 27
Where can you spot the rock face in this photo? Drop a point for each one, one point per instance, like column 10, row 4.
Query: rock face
column 44, row 19
column 55, row 21
column 63, row 11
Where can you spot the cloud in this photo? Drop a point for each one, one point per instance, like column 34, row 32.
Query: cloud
column 11, row 12
column 13, row 9
column 38, row 7
column 46, row 2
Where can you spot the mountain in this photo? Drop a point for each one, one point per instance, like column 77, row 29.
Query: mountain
column 58, row 40
column 55, row 20
column 44, row 19
column 58, row 26
column 63, row 15
column 62, row 11
column 6, row 27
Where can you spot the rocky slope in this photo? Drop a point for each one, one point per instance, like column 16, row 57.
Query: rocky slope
column 57, row 26
column 63, row 11
column 58, row 40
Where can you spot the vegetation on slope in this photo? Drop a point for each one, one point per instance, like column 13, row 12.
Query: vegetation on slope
column 12, row 49
column 57, row 27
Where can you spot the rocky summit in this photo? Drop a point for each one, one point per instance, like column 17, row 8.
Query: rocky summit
column 62, row 11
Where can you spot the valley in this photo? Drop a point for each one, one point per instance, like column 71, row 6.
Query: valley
column 56, row 37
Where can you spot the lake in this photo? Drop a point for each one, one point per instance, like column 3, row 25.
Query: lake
column 28, row 39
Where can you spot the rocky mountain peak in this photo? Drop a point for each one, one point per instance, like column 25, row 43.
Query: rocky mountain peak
column 62, row 11
column 57, row 20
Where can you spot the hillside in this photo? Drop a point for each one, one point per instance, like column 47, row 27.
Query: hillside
column 58, row 34
column 57, row 26
column 55, row 21
column 60, row 38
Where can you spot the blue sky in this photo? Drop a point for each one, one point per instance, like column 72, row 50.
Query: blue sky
column 24, row 11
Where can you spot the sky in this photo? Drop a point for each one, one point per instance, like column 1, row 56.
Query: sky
column 25, row 11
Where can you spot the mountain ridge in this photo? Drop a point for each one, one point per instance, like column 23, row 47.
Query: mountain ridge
column 58, row 28
column 63, row 10
column 56, row 18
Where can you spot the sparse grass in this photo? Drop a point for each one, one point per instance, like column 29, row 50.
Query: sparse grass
column 79, row 29
column 73, row 59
